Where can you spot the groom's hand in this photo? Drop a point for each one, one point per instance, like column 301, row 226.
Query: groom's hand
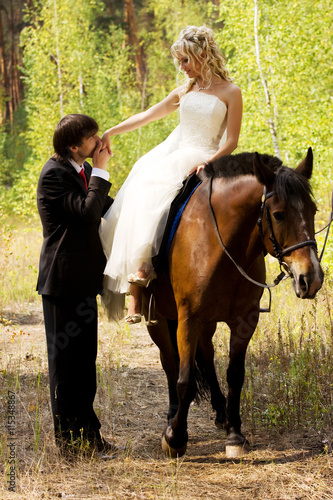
column 101, row 156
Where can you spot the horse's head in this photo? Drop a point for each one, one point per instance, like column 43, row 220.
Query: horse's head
column 288, row 222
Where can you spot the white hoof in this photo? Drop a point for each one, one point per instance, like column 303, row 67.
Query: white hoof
column 236, row 451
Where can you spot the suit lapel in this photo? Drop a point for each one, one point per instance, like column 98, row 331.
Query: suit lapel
column 87, row 171
column 75, row 175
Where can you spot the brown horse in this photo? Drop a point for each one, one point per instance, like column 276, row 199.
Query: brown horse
column 246, row 205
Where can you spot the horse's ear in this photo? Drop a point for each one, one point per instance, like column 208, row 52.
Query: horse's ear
column 305, row 167
column 263, row 172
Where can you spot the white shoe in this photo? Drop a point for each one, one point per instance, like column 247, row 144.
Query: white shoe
column 133, row 318
column 133, row 279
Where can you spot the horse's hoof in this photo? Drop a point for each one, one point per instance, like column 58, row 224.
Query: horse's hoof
column 237, row 450
column 172, row 452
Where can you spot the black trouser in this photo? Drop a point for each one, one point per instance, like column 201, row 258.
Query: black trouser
column 71, row 333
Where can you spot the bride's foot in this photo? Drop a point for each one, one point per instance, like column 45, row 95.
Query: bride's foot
column 134, row 307
column 134, row 279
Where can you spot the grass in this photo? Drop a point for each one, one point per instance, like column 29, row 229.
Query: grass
column 19, row 252
column 289, row 364
column 287, row 403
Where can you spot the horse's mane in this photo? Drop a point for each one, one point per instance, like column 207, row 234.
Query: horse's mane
column 290, row 186
column 241, row 164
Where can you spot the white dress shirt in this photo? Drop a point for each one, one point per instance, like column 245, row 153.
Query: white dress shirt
column 98, row 172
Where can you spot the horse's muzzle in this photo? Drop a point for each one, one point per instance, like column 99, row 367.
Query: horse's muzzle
column 307, row 284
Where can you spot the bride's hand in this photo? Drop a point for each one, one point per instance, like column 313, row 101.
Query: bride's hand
column 100, row 156
column 106, row 142
column 197, row 169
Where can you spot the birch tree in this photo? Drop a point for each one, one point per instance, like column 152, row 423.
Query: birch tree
column 294, row 63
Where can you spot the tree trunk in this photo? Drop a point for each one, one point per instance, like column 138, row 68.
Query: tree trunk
column 271, row 120
column 139, row 56
column 3, row 71
column 17, row 82
column 11, row 66
column 111, row 7
column 57, row 61
column 11, row 87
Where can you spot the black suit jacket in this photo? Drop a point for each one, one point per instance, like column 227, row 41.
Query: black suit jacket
column 72, row 260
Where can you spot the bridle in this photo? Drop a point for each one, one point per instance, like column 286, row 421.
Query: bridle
column 278, row 250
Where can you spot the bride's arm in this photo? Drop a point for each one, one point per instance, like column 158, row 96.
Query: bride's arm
column 156, row 112
column 234, row 120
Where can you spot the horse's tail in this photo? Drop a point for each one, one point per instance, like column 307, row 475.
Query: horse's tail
column 202, row 389
column 172, row 327
column 201, row 380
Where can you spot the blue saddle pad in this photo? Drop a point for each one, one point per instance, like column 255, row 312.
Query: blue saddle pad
column 176, row 211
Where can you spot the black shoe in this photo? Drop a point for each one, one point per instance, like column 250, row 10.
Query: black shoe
column 105, row 456
column 99, row 448
column 105, row 447
column 72, row 449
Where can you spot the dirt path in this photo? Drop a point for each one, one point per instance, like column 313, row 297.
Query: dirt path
column 132, row 404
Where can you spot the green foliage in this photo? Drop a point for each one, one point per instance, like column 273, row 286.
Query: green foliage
column 295, row 54
column 295, row 40
column 13, row 149
column 76, row 60
column 69, row 67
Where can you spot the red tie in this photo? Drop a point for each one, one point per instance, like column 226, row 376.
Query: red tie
column 82, row 175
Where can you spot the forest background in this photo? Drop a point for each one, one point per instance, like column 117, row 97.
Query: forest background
column 111, row 58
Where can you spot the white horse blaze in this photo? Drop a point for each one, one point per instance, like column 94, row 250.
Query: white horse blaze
column 307, row 272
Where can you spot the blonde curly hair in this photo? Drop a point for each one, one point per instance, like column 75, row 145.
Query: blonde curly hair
column 195, row 42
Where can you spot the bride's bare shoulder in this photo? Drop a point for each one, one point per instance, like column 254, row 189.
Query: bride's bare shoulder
column 229, row 88
column 180, row 91
column 228, row 91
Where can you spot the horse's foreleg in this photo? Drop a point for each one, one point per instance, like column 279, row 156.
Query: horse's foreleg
column 162, row 335
column 175, row 437
column 241, row 333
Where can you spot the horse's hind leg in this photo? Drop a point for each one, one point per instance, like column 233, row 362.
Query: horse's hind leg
column 241, row 333
column 205, row 358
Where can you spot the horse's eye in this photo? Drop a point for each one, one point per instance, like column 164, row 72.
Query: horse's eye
column 278, row 216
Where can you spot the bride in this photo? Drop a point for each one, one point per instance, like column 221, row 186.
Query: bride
column 209, row 105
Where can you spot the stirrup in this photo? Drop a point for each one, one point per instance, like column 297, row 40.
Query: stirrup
column 151, row 308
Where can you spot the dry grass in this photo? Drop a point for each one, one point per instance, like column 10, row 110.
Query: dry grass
column 131, row 403
column 287, row 405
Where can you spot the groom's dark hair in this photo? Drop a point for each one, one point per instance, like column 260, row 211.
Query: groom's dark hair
column 70, row 131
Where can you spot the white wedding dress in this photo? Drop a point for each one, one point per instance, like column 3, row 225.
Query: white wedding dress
column 132, row 230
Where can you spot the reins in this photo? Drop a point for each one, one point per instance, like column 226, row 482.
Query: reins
column 279, row 252
column 328, row 227
column 240, row 269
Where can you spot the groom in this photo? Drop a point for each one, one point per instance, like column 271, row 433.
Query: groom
column 71, row 199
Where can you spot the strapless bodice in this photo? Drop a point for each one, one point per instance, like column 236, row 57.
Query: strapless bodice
column 202, row 120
